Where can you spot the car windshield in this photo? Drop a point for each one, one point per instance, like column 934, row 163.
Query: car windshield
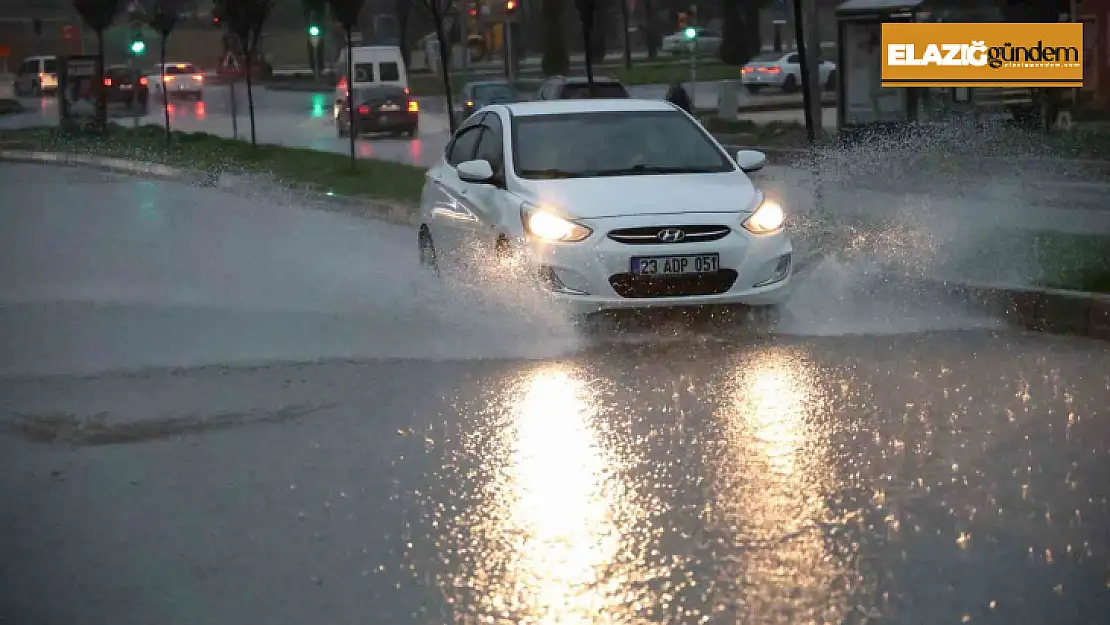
column 581, row 91
column 618, row 143
column 176, row 70
column 494, row 92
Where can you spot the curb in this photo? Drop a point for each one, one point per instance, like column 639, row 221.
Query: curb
column 359, row 207
column 1053, row 311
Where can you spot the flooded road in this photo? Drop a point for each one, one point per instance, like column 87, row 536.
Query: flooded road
column 219, row 407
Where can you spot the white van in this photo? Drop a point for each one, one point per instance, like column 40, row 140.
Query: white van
column 374, row 66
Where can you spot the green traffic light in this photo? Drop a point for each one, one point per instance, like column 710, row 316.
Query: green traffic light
column 138, row 47
column 691, row 33
column 314, row 31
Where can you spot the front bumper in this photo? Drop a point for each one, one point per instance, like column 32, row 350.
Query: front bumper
column 594, row 275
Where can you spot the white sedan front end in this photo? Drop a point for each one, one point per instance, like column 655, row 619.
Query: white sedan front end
column 662, row 260
column 605, row 204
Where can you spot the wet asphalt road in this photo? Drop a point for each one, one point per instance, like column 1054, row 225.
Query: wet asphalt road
column 398, row 455
column 931, row 478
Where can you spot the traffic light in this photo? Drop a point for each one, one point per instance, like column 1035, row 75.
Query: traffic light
column 138, row 46
column 690, row 33
column 510, row 6
column 314, row 31
column 682, row 20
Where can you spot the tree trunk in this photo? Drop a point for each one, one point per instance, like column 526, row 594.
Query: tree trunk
column 250, row 94
column 101, row 92
column 624, row 36
column 586, row 14
column 350, row 97
column 162, row 81
column 556, row 59
column 649, row 29
column 445, row 68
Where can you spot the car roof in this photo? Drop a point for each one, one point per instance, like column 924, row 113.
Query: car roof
column 559, row 107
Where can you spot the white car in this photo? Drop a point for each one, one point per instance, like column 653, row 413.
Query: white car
column 609, row 204
column 708, row 42
column 182, row 79
column 784, row 71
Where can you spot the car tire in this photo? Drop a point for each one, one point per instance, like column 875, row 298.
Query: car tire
column 789, row 84
column 199, row 97
column 830, row 81
column 339, row 132
column 411, row 132
column 427, row 251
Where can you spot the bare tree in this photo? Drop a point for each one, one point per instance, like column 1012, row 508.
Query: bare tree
column 438, row 11
column 587, row 10
column 346, row 13
column 245, row 19
column 99, row 14
column 163, row 16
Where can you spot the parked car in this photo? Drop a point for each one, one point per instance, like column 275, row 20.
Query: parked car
column 478, row 94
column 36, row 75
column 609, row 204
column 708, row 41
column 182, row 79
column 381, row 109
column 577, row 88
column 127, row 86
column 784, row 71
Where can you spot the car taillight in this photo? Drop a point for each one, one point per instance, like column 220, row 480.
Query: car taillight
column 363, row 109
column 169, row 78
column 107, row 82
column 406, row 90
column 414, row 106
column 470, row 103
column 142, row 81
column 342, row 86
column 746, row 70
column 769, row 70
column 198, row 77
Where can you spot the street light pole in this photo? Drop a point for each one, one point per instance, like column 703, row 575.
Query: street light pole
column 807, row 95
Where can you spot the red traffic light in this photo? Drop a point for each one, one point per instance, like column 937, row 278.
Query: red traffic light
column 510, row 5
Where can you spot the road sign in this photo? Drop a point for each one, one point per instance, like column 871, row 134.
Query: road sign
column 230, row 64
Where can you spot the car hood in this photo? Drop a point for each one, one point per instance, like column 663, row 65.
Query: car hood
column 588, row 198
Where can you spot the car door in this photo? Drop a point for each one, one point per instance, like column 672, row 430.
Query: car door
column 448, row 209
column 490, row 203
column 26, row 75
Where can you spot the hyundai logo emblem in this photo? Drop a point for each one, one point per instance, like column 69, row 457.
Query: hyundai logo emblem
column 671, row 235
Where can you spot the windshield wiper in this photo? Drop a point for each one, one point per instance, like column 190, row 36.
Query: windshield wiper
column 652, row 169
column 553, row 173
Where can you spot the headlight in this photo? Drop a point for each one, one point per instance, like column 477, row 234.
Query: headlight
column 766, row 219
column 550, row 227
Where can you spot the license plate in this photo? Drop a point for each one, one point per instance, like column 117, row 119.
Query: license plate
column 125, row 87
column 391, row 107
column 675, row 265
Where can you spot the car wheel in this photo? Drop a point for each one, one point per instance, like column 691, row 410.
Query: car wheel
column 199, row 97
column 830, row 82
column 427, row 249
column 411, row 132
column 36, row 89
column 339, row 132
column 790, row 85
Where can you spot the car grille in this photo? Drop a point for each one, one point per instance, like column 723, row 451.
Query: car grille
column 649, row 235
column 639, row 287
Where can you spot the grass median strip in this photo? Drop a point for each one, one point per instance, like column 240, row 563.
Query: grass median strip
column 1079, row 262
column 295, row 167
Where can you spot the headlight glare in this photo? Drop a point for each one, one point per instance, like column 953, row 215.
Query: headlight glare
column 766, row 219
column 550, row 227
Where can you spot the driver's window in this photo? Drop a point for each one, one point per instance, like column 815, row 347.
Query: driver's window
column 491, row 147
column 464, row 146
column 793, row 58
column 30, row 67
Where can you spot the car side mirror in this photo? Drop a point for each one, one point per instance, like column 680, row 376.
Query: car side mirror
column 751, row 160
column 477, row 172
